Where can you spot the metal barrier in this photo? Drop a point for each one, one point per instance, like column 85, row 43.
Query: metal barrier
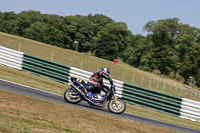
column 11, row 58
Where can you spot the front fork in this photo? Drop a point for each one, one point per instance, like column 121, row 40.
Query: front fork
column 115, row 98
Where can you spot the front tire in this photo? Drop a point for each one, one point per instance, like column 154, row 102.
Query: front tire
column 70, row 98
column 117, row 109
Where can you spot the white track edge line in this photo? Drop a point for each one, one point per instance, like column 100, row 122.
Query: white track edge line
column 31, row 87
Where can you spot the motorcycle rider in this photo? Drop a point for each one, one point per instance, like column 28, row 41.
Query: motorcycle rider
column 96, row 79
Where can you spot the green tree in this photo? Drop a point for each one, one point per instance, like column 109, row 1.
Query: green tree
column 24, row 20
column 112, row 41
column 46, row 33
column 191, row 64
column 163, row 34
column 85, row 34
column 138, row 52
column 99, row 21
column 8, row 22
column 38, row 31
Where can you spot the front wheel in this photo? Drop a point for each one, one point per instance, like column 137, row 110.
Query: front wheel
column 118, row 108
column 71, row 96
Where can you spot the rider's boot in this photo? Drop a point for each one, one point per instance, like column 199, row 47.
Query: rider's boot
column 88, row 88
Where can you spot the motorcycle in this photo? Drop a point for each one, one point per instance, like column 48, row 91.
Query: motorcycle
column 76, row 94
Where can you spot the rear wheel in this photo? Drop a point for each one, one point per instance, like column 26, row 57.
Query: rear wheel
column 71, row 96
column 118, row 108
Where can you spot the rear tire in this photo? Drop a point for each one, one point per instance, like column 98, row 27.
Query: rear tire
column 71, row 99
column 116, row 109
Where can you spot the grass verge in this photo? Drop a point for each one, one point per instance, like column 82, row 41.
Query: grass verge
column 31, row 115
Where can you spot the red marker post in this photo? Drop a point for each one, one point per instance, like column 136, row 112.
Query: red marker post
column 115, row 61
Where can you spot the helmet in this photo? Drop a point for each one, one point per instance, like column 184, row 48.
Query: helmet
column 106, row 70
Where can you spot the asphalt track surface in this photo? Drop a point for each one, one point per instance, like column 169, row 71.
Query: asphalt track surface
column 51, row 97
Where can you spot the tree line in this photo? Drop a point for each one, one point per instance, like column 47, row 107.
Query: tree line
column 170, row 48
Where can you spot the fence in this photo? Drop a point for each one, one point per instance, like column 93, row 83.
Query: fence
column 173, row 105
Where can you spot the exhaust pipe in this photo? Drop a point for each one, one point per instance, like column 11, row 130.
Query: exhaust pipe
column 84, row 95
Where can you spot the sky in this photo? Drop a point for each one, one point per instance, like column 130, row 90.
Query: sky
column 135, row 13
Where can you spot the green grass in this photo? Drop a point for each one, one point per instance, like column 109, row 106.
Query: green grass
column 46, row 84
